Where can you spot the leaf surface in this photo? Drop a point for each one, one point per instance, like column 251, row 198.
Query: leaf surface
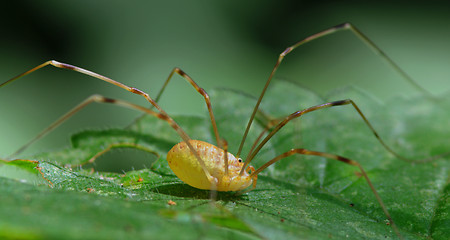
column 300, row 197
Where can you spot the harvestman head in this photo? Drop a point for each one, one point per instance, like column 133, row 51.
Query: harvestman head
column 207, row 166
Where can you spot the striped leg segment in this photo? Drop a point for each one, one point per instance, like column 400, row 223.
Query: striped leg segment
column 162, row 114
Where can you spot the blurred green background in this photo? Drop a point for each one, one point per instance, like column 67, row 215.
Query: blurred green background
column 232, row 44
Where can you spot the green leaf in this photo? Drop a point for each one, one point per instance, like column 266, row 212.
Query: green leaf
column 300, row 197
column 24, row 171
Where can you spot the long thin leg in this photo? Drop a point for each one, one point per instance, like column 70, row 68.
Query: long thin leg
column 200, row 91
column 162, row 114
column 268, row 126
column 335, row 157
column 297, row 114
column 83, row 104
column 344, row 26
column 221, row 143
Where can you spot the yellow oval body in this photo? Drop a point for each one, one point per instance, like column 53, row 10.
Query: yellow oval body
column 186, row 166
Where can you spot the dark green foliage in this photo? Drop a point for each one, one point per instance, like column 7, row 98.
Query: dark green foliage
column 300, row 197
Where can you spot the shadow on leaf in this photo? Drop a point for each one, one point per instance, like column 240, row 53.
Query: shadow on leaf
column 186, row 191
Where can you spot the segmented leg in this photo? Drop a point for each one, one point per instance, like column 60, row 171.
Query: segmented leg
column 83, row 104
column 269, row 126
column 345, row 26
column 297, row 114
column 162, row 114
column 335, row 157
column 200, row 91
column 221, row 143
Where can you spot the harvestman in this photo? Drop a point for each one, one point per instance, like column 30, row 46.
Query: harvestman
column 206, row 166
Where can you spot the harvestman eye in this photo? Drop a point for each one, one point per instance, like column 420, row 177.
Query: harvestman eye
column 207, row 166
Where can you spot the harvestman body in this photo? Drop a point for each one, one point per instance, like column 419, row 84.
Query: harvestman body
column 206, row 166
